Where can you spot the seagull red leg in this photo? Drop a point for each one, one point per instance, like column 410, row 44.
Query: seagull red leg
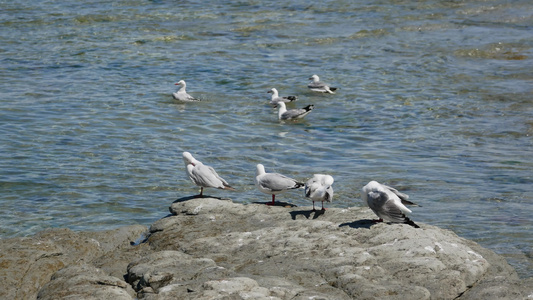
column 273, row 200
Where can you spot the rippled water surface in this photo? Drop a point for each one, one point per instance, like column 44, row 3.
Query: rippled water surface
column 435, row 98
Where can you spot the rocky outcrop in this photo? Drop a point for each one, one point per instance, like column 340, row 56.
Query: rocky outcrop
column 29, row 263
column 216, row 249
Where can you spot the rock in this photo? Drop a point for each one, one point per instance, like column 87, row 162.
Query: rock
column 326, row 255
column 500, row 287
column 217, row 249
column 85, row 282
column 165, row 268
column 28, row 263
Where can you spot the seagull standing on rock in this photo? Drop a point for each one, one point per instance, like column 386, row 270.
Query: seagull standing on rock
column 202, row 175
column 181, row 94
column 292, row 114
column 318, row 188
column 318, row 86
column 276, row 98
column 274, row 183
column 387, row 203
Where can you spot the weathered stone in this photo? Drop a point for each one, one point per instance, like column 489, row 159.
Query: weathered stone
column 28, row 263
column 500, row 287
column 217, row 249
column 326, row 253
column 85, row 282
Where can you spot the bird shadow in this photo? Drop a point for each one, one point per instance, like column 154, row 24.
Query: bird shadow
column 366, row 223
column 269, row 203
column 307, row 213
column 188, row 198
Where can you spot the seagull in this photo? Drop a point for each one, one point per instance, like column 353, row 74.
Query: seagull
column 319, row 86
column 293, row 114
column 202, row 175
column 318, row 188
column 181, row 94
column 274, row 183
column 276, row 98
column 387, row 203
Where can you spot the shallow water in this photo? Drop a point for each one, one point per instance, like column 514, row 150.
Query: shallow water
column 435, row 99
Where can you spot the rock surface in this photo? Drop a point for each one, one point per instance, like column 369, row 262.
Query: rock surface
column 216, row 249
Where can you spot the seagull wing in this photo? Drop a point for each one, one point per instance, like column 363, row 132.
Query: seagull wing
column 385, row 207
column 277, row 182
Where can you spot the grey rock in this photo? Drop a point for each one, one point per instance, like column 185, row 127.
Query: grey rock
column 217, row 249
column 28, row 263
column 164, row 268
column 85, row 282
column 339, row 254
column 500, row 287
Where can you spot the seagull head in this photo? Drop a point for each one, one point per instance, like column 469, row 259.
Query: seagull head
column 327, row 180
column 260, row 169
column 281, row 104
column 188, row 158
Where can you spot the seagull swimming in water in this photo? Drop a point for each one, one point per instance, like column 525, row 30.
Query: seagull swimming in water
column 292, row 114
column 202, row 175
column 318, row 86
column 274, row 183
column 276, row 98
column 181, row 94
column 318, row 188
column 387, row 203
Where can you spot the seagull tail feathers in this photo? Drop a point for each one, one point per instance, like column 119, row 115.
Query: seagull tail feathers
column 309, row 107
column 227, row 187
column 410, row 222
column 407, row 202
column 330, row 90
column 292, row 98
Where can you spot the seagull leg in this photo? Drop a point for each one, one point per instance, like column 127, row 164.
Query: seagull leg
column 378, row 220
column 273, row 200
column 323, row 206
column 201, row 191
column 314, row 206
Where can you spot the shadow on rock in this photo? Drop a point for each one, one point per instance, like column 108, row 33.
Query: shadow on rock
column 269, row 203
column 307, row 213
column 359, row 224
column 183, row 199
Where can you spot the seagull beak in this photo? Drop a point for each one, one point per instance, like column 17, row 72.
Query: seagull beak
column 176, row 84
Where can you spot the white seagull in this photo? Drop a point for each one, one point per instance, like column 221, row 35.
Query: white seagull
column 274, row 183
column 276, row 98
column 181, row 94
column 318, row 86
column 202, row 175
column 318, row 188
column 292, row 114
column 387, row 203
